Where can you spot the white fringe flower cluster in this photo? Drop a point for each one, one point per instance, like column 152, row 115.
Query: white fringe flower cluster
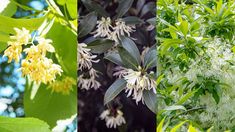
column 113, row 118
column 106, row 30
column 214, row 62
column 36, row 65
column 89, row 81
column 85, row 60
column 137, row 83
column 220, row 57
column 221, row 114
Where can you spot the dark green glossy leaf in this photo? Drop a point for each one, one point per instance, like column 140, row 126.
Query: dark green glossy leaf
column 131, row 47
column 93, row 6
column 87, row 24
column 132, row 20
column 139, row 5
column 100, row 45
column 150, row 59
column 149, row 7
column 152, row 21
column 114, row 90
column 123, row 7
column 150, row 99
column 115, row 58
column 127, row 59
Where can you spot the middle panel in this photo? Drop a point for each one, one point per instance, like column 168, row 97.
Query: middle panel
column 117, row 66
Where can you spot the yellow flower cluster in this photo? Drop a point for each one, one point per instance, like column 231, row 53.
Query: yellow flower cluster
column 64, row 86
column 14, row 50
column 36, row 65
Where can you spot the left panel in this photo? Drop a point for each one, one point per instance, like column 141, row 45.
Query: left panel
column 38, row 45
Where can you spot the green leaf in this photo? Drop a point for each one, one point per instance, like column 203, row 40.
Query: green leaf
column 184, row 27
column 4, row 37
column 115, row 58
column 209, row 130
column 208, row 10
column 167, row 24
column 216, row 96
column 160, row 126
column 10, row 10
column 167, row 44
column 150, row 59
column 114, row 90
column 219, row 6
column 7, row 24
column 150, row 99
column 175, row 107
column 22, row 125
column 71, row 6
column 127, row 59
column 131, row 47
column 93, row 6
column 159, row 79
column 100, row 45
column 186, row 97
column 48, row 106
column 123, row 7
column 65, row 43
column 132, row 20
column 87, row 24
column 192, row 129
column 175, row 128
column 61, row 2
column 3, row 46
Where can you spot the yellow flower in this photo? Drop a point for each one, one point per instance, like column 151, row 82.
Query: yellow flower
column 39, row 50
column 64, row 86
column 33, row 52
column 13, row 52
column 36, row 65
column 44, row 45
column 41, row 69
column 22, row 36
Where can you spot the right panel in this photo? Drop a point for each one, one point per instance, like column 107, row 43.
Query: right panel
column 196, row 73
